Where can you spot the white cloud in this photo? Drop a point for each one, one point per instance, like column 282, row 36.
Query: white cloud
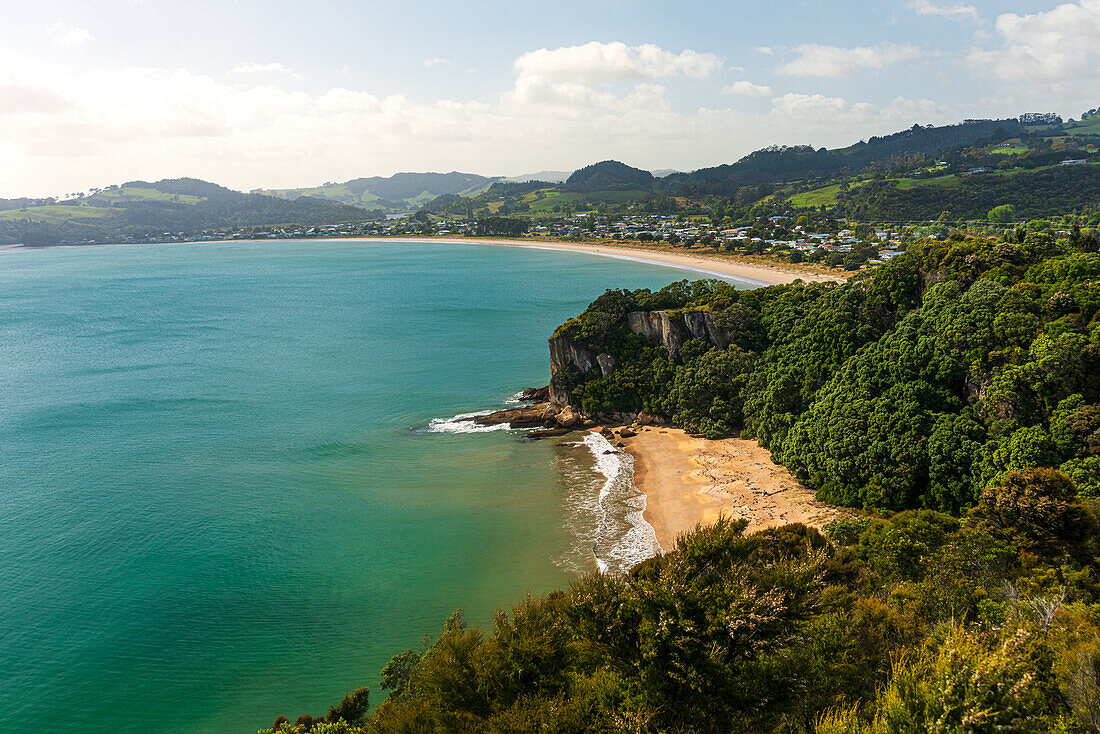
column 962, row 13
column 591, row 76
column 68, row 37
column 748, row 89
column 1057, row 46
column 435, row 61
column 596, row 62
column 843, row 63
column 20, row 98
column 252, row 67
column 67, row 129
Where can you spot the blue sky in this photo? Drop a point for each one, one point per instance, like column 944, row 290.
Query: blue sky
column 282, row 93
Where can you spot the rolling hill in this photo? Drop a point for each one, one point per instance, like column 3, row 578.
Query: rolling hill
column 399, row 192
column 140, row 209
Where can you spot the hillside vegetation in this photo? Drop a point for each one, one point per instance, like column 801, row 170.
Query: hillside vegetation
column 955, row 392
column 916, row 386
column 139, row 209
column 399, row 192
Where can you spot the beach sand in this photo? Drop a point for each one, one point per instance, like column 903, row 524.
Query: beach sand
column 763, row 273
column 692, row 481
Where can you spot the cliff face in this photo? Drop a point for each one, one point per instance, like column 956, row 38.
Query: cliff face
column 564, row 352
column 657, row 327
column 660, row 328
column 671, row 330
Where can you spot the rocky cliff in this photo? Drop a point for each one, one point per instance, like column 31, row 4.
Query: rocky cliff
column 668, row 329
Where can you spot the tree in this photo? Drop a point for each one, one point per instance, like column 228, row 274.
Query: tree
column 1002, row 214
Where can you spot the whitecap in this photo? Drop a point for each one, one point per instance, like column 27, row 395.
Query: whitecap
column 461, row 424
column 625, row 538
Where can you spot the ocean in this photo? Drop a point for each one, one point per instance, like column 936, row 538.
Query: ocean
column 231, row 485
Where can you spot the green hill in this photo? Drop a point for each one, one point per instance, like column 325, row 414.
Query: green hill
column 401, row 191
column 608, row 176
column 141, row 209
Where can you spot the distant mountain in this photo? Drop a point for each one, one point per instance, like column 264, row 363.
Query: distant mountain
column 140, row 209
column 547, row 176
column 399, row 191
column 662, row 172
column 607, row 176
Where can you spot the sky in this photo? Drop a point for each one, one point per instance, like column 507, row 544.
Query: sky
column 287, row 93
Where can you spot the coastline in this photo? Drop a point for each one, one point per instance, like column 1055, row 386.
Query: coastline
column 689, row 481
column 709, row 263
column 715, row 264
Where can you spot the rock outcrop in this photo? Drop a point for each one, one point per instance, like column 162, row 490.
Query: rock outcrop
column 671, row 330
column 704, row 325
column 657, row 327
column 564, row 352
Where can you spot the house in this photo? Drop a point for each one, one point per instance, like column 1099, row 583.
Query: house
column 1073, row 162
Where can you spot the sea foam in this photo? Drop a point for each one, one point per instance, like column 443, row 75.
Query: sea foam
column 624, row 538
column 461, row 424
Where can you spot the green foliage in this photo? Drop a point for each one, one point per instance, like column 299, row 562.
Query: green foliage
column 505, row 226
column 916, row 622
column 1002, row 214
column 915, row 385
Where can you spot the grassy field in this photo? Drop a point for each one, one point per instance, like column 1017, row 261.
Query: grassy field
column 552, row 198
column 825, row 196
column 139, row 193
column 58, row 214
column 83, row 211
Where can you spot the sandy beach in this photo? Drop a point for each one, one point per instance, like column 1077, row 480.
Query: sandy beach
column 763, row 273
column 690, row 481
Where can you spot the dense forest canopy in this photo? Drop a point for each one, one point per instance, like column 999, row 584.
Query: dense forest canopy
column 608, row 175
column 955, row 392
column 914, row 386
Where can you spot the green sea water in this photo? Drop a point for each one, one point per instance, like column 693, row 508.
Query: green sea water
column 222, row 493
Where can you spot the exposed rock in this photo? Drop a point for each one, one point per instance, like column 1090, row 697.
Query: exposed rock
column 525, row 417
column 670, row 331
column 657, row 327
column 547, row 433
column 620, row 445
column 645, row 419
column 536, row 394
column 703, row 325
column 567, row 418
column 565, row 352
column 626, row 433
column 589, row 423
column 607, row 433
column 606, row 363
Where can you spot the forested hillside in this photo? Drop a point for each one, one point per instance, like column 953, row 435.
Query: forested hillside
column 916, row 385
column 788, row 163
column 954, row 392
column 1033, row 194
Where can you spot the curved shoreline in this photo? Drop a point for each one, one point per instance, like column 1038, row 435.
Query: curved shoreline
column 714, row 265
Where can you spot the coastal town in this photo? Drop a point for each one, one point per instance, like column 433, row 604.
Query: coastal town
column 780, row 233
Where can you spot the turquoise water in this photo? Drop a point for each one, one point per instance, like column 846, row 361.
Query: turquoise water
column 218, row 498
